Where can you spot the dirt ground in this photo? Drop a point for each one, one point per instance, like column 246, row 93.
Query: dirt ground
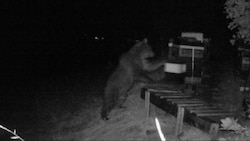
column 132, row 124
column 69, row 110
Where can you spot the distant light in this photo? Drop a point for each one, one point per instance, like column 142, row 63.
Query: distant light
column 97, row 38
column 170, row 44
column 102, row 38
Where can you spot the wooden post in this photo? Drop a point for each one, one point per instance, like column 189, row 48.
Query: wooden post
column 147, row 103
column 179, row 122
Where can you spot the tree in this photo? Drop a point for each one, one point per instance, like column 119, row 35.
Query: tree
column 238, row 12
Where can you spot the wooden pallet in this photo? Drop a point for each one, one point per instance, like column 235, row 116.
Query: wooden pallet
column 185, row 107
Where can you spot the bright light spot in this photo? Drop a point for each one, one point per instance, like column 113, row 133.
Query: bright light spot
column 98, row 38
column 159, row 130
column 170, row 44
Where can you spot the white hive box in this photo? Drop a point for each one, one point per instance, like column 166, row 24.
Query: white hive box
column 175, row 68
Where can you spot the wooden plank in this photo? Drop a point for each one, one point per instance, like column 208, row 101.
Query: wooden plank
column 169, row 94
column 175, row 96
column 191, row 104
column 147, row 103
column 202, row 123
column 208, row 111
column 158, row 86
column 213, row 114
column 215, row 111
column 210, row 107
column 179, row 122
column 187, row 102
column 196, row 109
column 163, row 91
column 162, row 87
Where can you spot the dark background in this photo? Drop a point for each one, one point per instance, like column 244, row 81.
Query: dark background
column 60, row 27
column 46, row 39
column 49, row 57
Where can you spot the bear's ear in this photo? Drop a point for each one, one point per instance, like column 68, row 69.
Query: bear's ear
column 145, row 40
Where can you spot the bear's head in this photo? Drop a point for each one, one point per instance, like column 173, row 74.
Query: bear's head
column 142, row 49
column 138, row 55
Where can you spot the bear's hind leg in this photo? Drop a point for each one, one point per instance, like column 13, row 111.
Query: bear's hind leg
column 109, row 102
column 104, row 114
column 124, row 94
column 106, row 109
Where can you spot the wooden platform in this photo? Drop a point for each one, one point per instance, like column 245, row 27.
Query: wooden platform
column 185, row 107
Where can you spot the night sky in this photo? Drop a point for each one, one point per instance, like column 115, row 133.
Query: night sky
column 60, row 27
column 37, row 29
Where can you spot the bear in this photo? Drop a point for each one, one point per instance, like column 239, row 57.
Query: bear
column 134, row 66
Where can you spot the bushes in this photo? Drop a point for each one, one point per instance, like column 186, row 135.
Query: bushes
column 230, row 96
